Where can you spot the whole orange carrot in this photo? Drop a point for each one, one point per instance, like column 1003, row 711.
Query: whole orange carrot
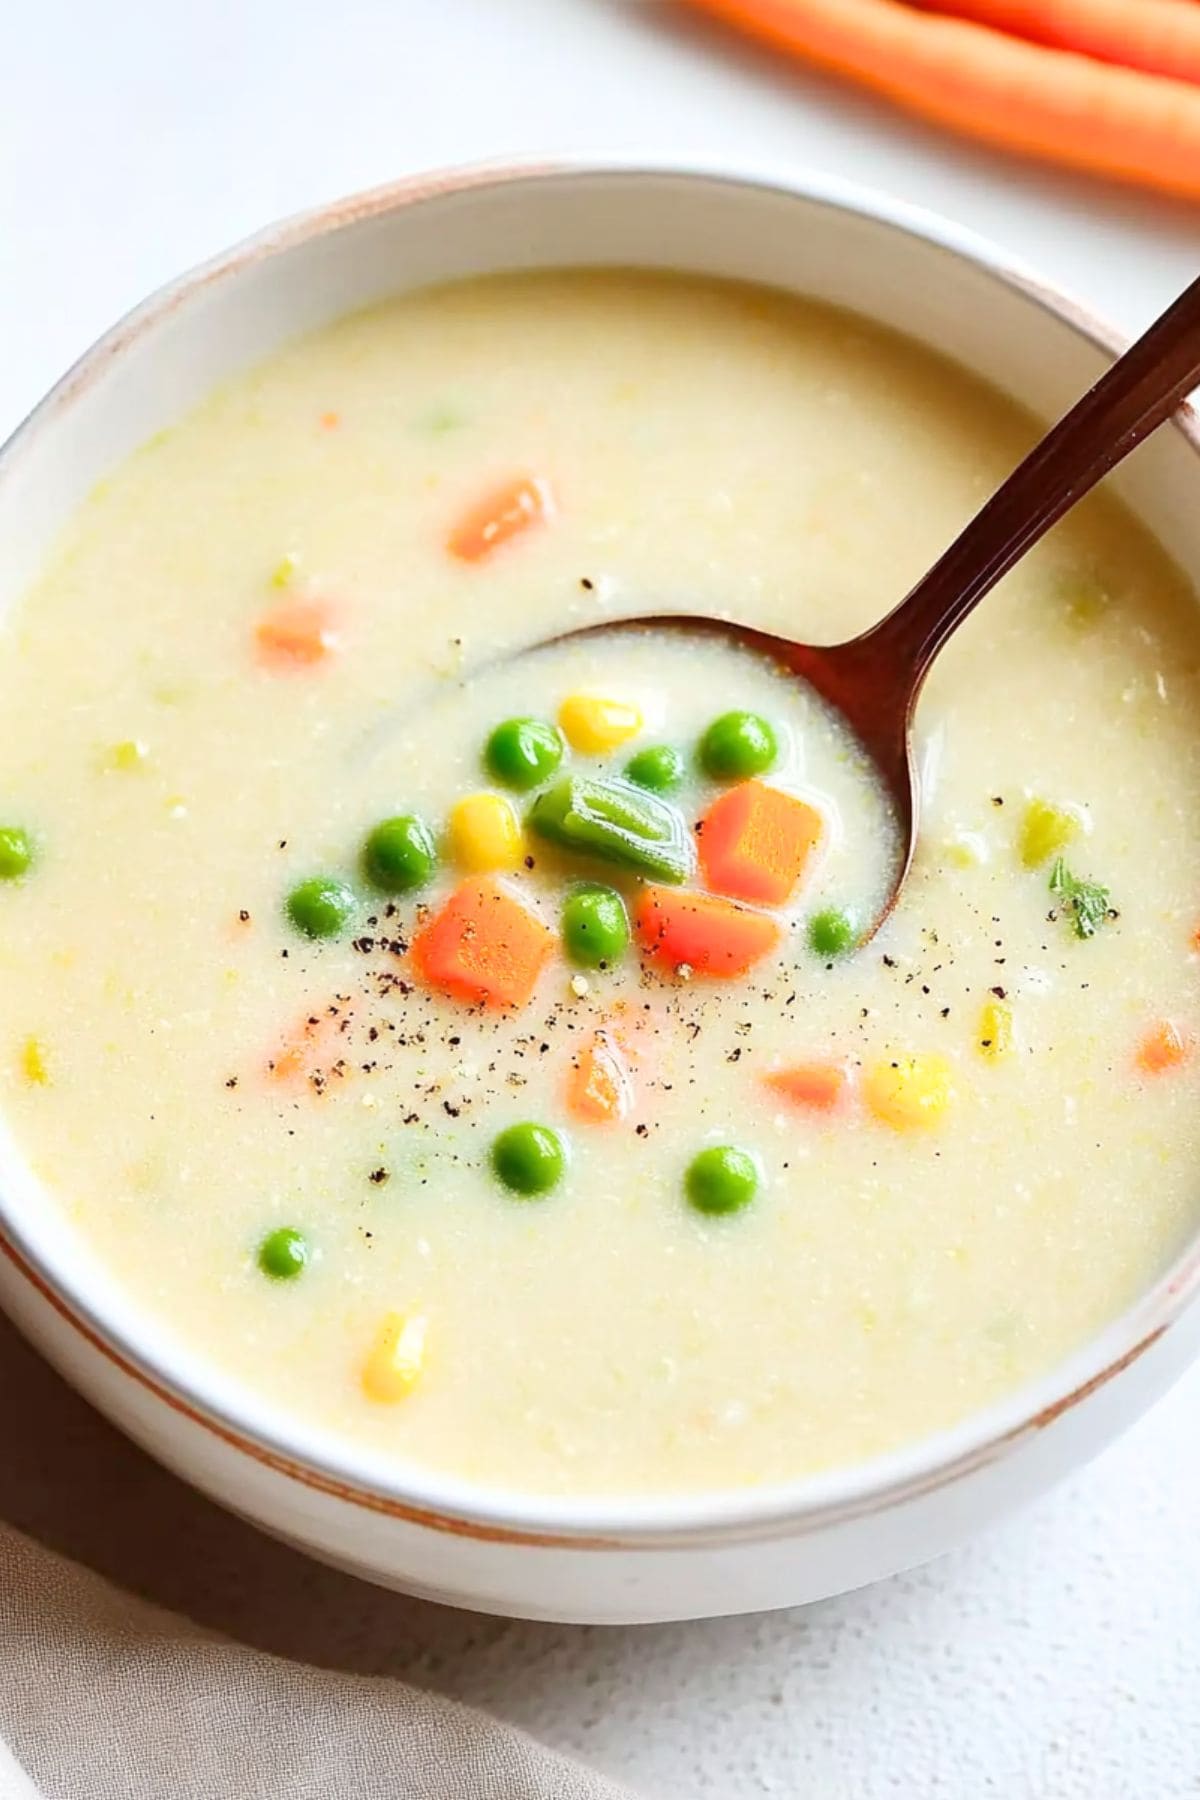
column 1160, row 36
column 1051, row 103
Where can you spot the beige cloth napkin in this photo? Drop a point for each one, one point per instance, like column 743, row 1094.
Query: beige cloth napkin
column 104, row 1697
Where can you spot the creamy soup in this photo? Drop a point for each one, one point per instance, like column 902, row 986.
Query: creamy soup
column 485, row 1054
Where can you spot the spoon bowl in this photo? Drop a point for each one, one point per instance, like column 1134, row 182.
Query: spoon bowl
column 874, row 681
column 856, row 679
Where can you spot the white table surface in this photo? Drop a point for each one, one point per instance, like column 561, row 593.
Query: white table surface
column 1058, row 1658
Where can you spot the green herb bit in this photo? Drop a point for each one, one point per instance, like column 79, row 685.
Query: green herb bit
column 440, row 419
column 618, row 822
column 1087, row 901
column 172, row 693
column 284, row 572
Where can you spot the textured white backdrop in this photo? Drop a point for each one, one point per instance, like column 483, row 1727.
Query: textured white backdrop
column 1058, row 1659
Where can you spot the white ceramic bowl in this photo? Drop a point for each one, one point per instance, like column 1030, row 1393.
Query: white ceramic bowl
column 606, row 1559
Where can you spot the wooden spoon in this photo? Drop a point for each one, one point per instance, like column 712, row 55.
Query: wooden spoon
column 874, row 680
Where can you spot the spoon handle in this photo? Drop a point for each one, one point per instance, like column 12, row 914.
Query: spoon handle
column 1134, row 397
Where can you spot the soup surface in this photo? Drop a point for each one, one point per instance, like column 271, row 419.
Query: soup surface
column 278, row 1110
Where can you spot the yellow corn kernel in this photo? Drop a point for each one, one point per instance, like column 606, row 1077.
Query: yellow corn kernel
column 592, row 724
column 394, row 1366
column 996, row 1037
column 967, row 850
column 171, row 693
column 33, row 1063
column 1046, row 831
column 485, row 832
column 128, row 755
column 1083, row 599
column 909, row 1093
column 284, row 572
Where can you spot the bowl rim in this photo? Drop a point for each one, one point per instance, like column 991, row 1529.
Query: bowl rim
column 322, row 1460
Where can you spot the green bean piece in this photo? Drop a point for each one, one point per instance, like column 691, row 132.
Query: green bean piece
column 617, row 822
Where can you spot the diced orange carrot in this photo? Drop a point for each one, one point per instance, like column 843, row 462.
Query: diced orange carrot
column 755, row 842
column 500, row 515
column 329, row 421
column 599, row 1089
column 628, row 1025
column 483, row 945
column 815, row 1086
column 296, row 634
column 311, row 1051
column 703, row 934
column 1165, row 1046
column 288, row 1064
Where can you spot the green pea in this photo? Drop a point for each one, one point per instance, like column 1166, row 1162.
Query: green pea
column 832, row 932
column 283, row 1253
column 738, row 744
column 595, row 927
column 321, row 907
column 722, row 1179
column 529, row 1159
column 16, row 852
column 399, row 854
column 523, row 752
column 658, row 767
